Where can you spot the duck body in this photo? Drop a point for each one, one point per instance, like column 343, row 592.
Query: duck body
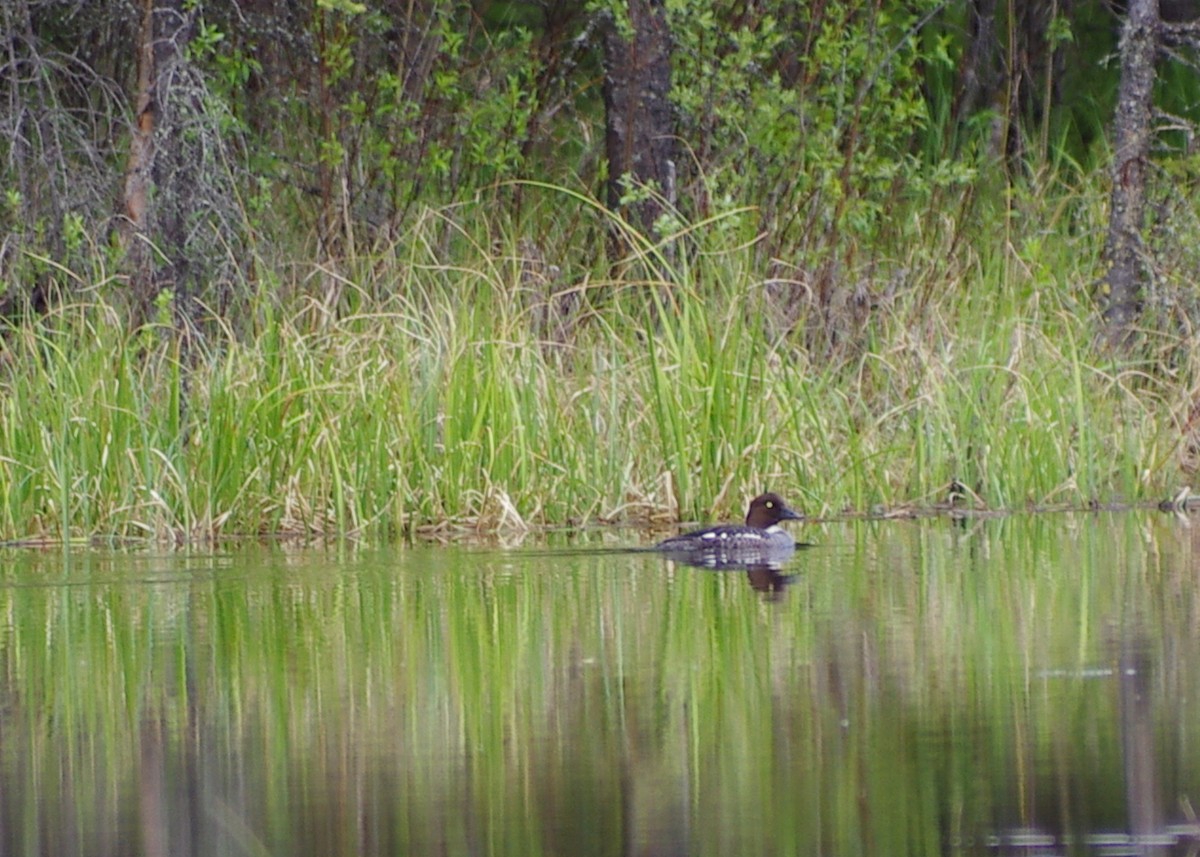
column 761, row 541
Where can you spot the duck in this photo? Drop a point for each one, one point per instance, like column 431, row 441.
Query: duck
column 761, row 541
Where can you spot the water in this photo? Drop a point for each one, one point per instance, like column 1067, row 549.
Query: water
column 1019, row 686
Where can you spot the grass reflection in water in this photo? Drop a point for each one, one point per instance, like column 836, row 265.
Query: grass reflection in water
column 918, row 688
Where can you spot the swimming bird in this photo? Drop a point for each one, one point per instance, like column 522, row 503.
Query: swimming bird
column 760, row 541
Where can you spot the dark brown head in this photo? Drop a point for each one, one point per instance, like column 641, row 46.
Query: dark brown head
column 768, row 509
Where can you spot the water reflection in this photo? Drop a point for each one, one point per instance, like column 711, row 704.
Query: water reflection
column 771, row 582
column 764, row 570
column 1148, row 833
column 1137, row 741
column 1022, row 686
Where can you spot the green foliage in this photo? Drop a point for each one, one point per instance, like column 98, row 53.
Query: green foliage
column 811, row 116
column 392, row 114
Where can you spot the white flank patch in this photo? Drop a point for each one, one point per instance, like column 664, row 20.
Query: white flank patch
column 708, row 535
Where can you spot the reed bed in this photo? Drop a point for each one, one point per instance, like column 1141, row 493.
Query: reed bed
column 468, row 378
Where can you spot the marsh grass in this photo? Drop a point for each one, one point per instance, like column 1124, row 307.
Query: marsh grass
column 469, row 378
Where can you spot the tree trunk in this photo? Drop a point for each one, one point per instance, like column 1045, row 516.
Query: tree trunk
column 981, row 72
column 1120, row 291
column 639, row 120
column 163, row 40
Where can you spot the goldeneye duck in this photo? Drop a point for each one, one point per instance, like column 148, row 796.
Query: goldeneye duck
column 760, row 541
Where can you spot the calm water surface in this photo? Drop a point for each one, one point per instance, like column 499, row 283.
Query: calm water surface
column 1023, row 686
